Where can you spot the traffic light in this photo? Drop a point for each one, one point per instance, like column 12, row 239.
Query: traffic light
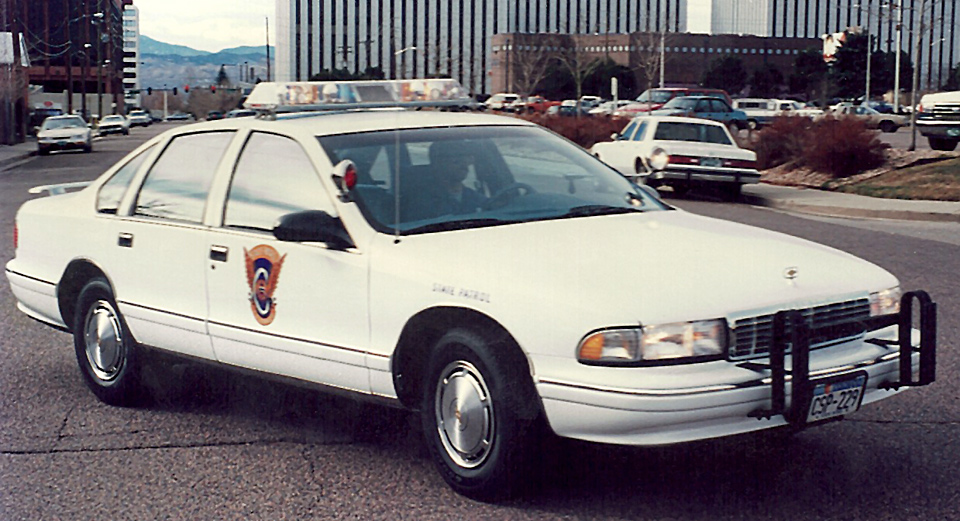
column 213, row 89
column 149, row 91
column 186, row 88
column 174, row 91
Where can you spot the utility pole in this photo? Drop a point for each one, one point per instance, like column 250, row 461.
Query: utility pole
column 69, row 57
column 267, row 23
column 917, row 29
column 99, row 16
column 896, row 73
column 866, row 97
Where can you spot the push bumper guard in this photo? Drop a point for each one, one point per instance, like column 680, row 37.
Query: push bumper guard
column 790, row 325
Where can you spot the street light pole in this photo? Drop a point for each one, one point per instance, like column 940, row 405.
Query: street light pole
column 916, row 74
column 866, row 97
column 896, row 67
column 99, row 17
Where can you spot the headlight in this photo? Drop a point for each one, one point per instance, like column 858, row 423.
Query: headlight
column 659, row 159
column 886, row 302
column 706, row 338
column 79, row 137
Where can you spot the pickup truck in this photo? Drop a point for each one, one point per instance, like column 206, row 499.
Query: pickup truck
column 938, row 118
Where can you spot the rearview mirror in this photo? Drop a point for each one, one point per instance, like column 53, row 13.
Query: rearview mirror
column 313, row 226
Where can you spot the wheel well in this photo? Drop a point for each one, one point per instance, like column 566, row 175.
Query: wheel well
column 74, row 278
column 421, row 333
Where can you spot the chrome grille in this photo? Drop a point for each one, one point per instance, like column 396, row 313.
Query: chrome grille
column 752, row 336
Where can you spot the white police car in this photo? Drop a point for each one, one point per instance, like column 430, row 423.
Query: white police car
column 476, row 268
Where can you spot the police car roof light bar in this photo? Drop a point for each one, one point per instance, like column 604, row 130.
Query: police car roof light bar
column 270, row 98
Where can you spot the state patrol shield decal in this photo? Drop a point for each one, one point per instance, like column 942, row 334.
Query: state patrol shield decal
column 263, row 272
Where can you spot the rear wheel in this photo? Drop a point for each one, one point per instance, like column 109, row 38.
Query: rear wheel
column 105, row 349
column 888, row 126
column 471, row 414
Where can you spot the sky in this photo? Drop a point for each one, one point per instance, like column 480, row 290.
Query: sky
column 213, row 25
column 207, row 25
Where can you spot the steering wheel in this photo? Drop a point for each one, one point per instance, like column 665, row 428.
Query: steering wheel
column 499, row 199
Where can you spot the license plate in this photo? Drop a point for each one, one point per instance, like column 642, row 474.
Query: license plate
column 953, row 132
column 62, row 143
column 711, row 161
column 836, row 396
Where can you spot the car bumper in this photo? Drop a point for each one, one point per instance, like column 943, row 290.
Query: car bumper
column 687, row 402
column 695, row 174
column 113, row 130
column 943, row 129
column 62, row 144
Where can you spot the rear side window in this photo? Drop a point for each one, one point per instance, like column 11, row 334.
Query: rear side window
column 178, row 183
column 112, row 191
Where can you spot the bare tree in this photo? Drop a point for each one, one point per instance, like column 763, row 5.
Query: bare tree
column 531, row 62
column 649, row 56
column 574, row 58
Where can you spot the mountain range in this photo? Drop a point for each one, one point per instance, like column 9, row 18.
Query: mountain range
column 169, row 65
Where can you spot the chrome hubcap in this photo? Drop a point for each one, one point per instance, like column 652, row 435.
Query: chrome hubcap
column 103, row 337
column 464, row 414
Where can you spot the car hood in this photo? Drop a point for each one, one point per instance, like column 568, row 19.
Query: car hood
column 62, row 132
column 653, row 267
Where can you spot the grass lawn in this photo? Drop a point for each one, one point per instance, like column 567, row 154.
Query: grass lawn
column 937, row 181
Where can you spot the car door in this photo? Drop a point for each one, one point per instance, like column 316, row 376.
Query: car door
column 720, row 111
column 288, row 308
column 158, row 246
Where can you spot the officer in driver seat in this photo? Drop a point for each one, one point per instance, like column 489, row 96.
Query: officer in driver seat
column 451, row 164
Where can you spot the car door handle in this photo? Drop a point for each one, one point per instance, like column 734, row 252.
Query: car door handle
column 125, row 240
column 219, row 253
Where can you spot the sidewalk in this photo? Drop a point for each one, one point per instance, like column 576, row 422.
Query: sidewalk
column 835, row 204
column 10, row 154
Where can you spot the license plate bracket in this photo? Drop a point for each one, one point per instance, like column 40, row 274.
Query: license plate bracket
column 836, row 396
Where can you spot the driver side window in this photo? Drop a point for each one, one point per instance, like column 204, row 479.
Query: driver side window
column 272, row 178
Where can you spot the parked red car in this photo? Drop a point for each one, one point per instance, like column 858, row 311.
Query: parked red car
column 653, row 99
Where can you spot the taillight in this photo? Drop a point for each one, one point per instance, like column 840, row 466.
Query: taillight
column 740, row 163
column 684, row 160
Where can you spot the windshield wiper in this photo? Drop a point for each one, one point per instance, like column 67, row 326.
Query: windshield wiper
column 455, row 225
column 598, row 209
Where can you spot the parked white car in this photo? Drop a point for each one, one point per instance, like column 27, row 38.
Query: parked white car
column 680, row 152
column 478, row 269
column 501, row 101
column 938, row 119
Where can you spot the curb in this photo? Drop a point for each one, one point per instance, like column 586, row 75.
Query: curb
column 16, row 158
column 843, row 211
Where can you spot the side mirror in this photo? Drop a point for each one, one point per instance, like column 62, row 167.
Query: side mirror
column 649, row 190
column 313, row 226
column 345, row 177
column 36, row 129
column 615, row 136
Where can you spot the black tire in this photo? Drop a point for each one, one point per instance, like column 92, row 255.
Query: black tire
column 43, row 152
column 731, row 191
column 87, row 149
column 942, row 144
column 888, row 126
column 472, row 415
column 752, row 124
column 105, row 349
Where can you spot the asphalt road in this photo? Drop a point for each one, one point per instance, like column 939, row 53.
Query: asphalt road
column 217, row 445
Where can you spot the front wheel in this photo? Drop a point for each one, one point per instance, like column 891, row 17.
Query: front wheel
column 888, row 126
column 472, row 420
column 106, row 351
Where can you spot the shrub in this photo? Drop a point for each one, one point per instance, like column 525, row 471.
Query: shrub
column 841, row 147
column 782, row 141
column 584, row 131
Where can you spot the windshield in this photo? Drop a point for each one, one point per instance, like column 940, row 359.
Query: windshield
column 424, row 180
column 681, row 103
column 111, row 119
column 655, row 96
column 50, row 123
